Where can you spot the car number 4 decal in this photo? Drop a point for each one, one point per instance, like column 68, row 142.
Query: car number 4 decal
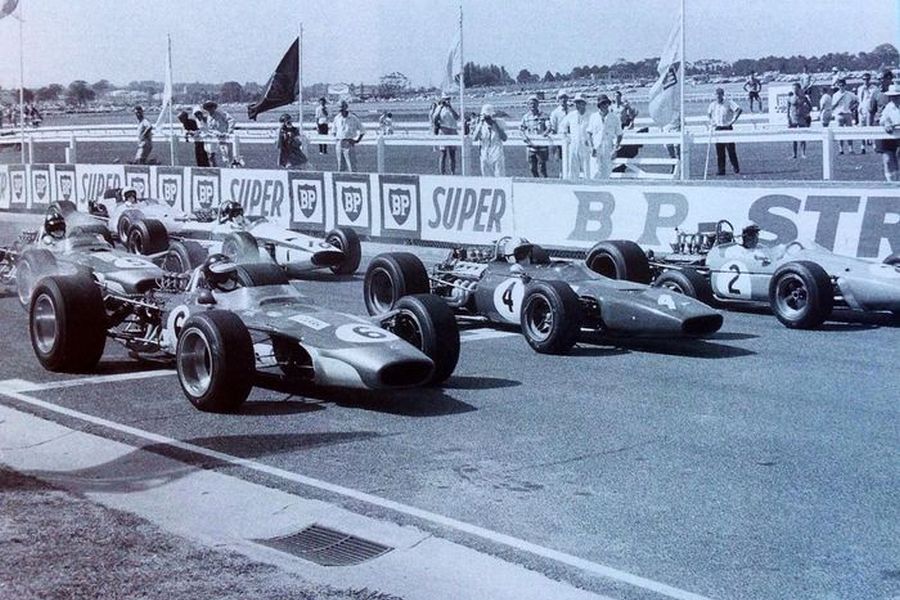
column 508, row 299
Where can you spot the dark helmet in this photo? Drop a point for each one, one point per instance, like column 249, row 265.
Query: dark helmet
column 219, row 270
column 285, row 118
column 230, row 211
column 750, row 235
column 55, row 225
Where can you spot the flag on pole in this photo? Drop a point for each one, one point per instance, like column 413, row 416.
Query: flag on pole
column 8, row 7
column 453, row 67
column 167, row 88
column 665, row 95
column 283, row 85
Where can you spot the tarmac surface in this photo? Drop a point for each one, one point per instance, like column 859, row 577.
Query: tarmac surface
column 761, row 463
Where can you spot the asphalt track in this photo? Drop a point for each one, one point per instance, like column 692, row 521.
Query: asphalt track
column 762, row 463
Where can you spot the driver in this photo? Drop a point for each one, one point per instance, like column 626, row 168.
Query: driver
column 54, row 225
column 750, row 236
column 129, row 195
column 516, row 249
column 220, row 273
column 231, row 211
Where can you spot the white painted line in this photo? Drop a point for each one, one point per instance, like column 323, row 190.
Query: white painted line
column 27, row 386
column 472, row 335
column 481, row 532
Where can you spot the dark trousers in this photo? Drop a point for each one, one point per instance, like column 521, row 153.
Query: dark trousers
column 200, row 155
column 537, row 160
column 732, row 154
column 448, row 155
column 322, row 128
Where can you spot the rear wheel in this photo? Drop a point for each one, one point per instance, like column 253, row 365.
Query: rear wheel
column 687, row 282
column 33, row 265
column 214, row 360
column 126, row 220
column 184, row 256
column 619, row 259
column 426, row 322
column 241, row 247
column 67, row 323
column 347, row 241
column 551, row 317
column 147, row 237
column 801, row 295
column 390, row 277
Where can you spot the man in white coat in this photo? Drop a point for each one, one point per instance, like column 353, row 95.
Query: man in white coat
column 575, row 127
column 605, row 131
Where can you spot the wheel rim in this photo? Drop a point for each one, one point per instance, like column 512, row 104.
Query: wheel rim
column 672, row 287
column 174, row 264
column 124, row 225
column 195, row 363
column 791, row 296
column 23, row 283
column 407, row 327
column 43, row 323
column 335, row 241
column 381, row 290
column 135, row 243
column 538, row 318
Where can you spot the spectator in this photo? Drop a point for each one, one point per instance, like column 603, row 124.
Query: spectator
column 290, row 144
column 322, row 122
column 192, row 131
column 605, row 132
column 890, row 120
column 554, row 124
column 825, row 106
column 805, row 81
column 836, row 76
column 534, row 123
column 627, row 113
column 879, row 96
column 844, row 104
column 753, row 87
column 348, row 132
column 145, row 137
column 491, row 133
column 799, row 111
column 867, row 107
column 386, row 123
column 722, row 116
column 575, row 126
column 673, row 150
column 221, row 125
column 34, row 115
column 446, row 122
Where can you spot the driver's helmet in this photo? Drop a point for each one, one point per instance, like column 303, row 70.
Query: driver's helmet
column 750, row 236
column 129, row 194
column 220, row 272
column 516, row 249
column 55, row 225
column 231, row 211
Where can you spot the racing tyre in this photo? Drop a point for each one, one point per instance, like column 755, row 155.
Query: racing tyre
column 551, row 317
column 183, row 257
column 687, row 282
column 126, row 220
column 893, row 260
column 348, row 241
column 67, row 323
column 33, row 265
column 147, row 236
column 801, row 295
column 619, row 259
column 214, row 360
column 241, row 247
column 65, row 208
column 426, row 322
column 390, row 277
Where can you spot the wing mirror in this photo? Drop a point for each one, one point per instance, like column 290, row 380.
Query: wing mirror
column 206, row 298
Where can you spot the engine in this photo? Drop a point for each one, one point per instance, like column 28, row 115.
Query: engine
column 456, row 279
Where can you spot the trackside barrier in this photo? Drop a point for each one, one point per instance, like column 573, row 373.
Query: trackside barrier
column 859, row 219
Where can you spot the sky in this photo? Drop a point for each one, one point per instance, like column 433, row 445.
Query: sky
column 358, row 41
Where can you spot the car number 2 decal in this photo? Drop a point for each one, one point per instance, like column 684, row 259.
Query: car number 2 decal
column 508, row 299
column 732, row 280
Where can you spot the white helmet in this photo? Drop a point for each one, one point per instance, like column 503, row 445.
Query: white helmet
column 129, row 190
column 516, row 249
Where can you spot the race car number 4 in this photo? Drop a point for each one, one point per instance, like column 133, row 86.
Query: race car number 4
column 508, row 299
column 357, row 333
column 732, row 280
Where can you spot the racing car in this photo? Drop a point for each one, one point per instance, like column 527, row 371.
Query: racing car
column 516, row 282
column 228, row 326
column 70, row 241
column 182, row 241
column 801, row 281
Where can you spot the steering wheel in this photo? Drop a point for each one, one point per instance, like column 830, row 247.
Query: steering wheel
column 724, row 236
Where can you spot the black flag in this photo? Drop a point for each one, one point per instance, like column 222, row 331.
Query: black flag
column 283, row 86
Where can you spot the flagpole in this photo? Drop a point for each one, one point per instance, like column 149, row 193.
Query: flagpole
column 300, row 77
column 171, row 98
column 463, row 154
column 685, row 154
column 22, row 82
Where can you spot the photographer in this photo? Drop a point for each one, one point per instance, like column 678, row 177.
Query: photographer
column 290, row 145
column 491, row 133
column 446, row 122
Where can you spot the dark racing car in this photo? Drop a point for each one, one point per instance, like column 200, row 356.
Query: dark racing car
column 515, row 282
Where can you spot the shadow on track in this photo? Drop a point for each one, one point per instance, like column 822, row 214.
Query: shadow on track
column 458, row 382
column 688, row 348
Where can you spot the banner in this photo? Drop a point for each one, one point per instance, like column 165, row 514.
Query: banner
column 18, row 188
column 262, row 193
column 92, row 180
column 665, row 95
column 41, row 192
column 452, row 70
column 170, row 187
column 205, row 189
column 352, row 201
column 138, row 177
column 470, row 210
column 308, row 201
column 400, row 204
column 64, row 182
column 283, row 86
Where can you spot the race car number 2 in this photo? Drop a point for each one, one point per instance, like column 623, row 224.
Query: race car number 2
column 508, row 299
column 732, row 280
column 357, row 333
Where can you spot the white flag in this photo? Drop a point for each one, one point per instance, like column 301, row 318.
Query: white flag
column 665, row 95
column 167, row 88
column 453, row 67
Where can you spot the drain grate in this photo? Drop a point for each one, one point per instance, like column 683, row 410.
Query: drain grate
column 328, row 547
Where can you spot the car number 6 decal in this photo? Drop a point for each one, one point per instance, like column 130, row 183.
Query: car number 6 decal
column 357, row 333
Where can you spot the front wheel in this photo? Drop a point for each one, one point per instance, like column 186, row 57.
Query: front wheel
column 128, row 218
column 184, row 257
column 241, row 247
column 686, row 282
column 147, row 237
column 391, row 276
column 801, row 295
column 426, row 322
column 214, row 360
column 619, row 259
column 32, row 265
column 346, row 240
column 551, row 317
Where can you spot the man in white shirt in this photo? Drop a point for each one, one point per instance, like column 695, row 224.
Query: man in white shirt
column 322, row 122
column 446, row 122
column 221, row 125
column 890, row 120
column 805, row 80
column 575, row 126
column 722, row 116
column 348, row 132
column 554, row 122
column 866, row 111
column 844, row 104
column 491, row 134
column 605, row 132
column 145, row 137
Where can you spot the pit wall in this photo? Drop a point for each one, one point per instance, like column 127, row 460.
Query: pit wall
column 855, row 219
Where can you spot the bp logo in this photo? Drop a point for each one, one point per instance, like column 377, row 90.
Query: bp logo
column 307, row 199
column 18, row 185
column 206, row 191
column 170, row 190
column 65, row 186
column 400, row 204
column 351, row 200
column 139, row 184
column 40, row 185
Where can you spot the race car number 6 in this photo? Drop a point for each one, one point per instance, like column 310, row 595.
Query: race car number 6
column 357, row 333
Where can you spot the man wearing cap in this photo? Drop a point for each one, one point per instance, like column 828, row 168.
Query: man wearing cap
column 491, row 133
column 145, row 137
column 605, row 133
column 554, row 123
column 348, row 132
column 534, row 124
column 446, row 122
column 890, row 120
column 221, row 125
column 722, row 116
column 575, row 126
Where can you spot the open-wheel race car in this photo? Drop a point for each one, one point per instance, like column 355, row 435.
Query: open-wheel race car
column 231, row 326
column 514, row 282
column 182, row 241
column 802, row 282
column 69, row 241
